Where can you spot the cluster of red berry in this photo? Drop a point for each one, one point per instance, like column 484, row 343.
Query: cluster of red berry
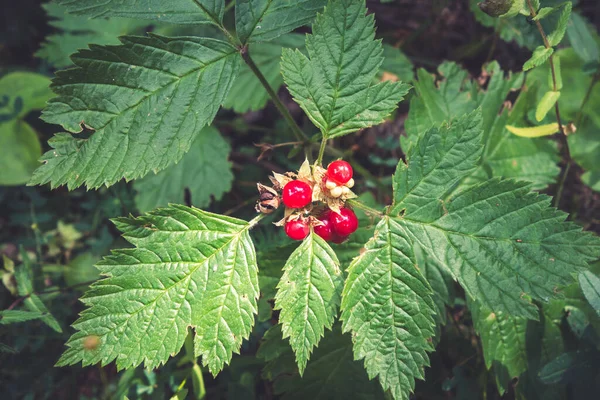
column 333, row 224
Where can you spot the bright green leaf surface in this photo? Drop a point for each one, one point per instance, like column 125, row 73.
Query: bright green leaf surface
column 146, row 101
column 204, row 170
column 188, row 268
column 21, row 149
column 388, row 306
column 546, row 104
column 334, row 84
column 555, row 37
column 263, row 20
column 540, row 55
column 308, row 295
column 13, row 316
column 175, row 11
column 500, row 240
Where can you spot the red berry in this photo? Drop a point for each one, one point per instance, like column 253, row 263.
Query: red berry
column 297, row 194
column 296, row 230
column 325, row 230
column 337, row 239
column 339, row 171
column 344, row 223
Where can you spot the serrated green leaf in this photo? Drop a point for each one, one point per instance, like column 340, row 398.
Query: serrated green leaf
column 78, row 31
column 247, row 93
column 504, row 155
column 397, row 63
column 146, row 101
column 21, row 149
column 500, row 240
column 540, row 55
column 581, row 39
column 331, row 374
column 503, row 340
column 263, row 20
column 556, row 36
column 204, row 170
column 546, row 104
column 13, row 316
column 388, row 306
column 174, row 11
column 590, row 286
column 543, row 13
column 334, row 84
column 308, row 295
column 188, row 268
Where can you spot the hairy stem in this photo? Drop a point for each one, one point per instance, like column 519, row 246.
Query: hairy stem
column 300, row 136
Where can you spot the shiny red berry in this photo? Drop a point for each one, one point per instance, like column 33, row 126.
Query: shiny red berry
column 325, row 230
column 344, row 223
column 297, row 194
column 297, row 230
column 339, row 171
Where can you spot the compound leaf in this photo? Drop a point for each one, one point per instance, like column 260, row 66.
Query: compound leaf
column 263, row 20
column 308, row 295
column 188, row 268
column 174, row 11
column 146, row 101
column 333, row 85
column 204, row 170
column 388, row 306
column 502, row 242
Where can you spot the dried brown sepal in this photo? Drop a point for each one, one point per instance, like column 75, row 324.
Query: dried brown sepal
column 268, row 199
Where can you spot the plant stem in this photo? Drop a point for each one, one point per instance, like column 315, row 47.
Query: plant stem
column 254, row 221
column 321, row 151
column 586, row 98
column 357, row 204
column 562, row 136
column 300, row 136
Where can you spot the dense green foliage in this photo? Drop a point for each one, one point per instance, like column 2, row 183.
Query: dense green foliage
column 474, row 272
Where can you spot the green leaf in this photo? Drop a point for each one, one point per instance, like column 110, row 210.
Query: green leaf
column 534, row 131
column 188, row 268
column 545, row 105
column 540, row 55
column 81, row 270
column 22, row 92
column 503, row 340
column 388, row 306
column 21, row 149
column 247, row 93
column 590, row 285
column 77, row 32
column 397, row 63
column 24, row 277
column 204, row 170
column 174, row 11
column 502, row 242
column 543, row 13
column 334, row 84
column 146, row 101
column 13, row 316
column 557, row 35
column 504, row 154
column 263, row 20
column 331, row 374
column 568, row 366
column 308, row 295
column 582, row 40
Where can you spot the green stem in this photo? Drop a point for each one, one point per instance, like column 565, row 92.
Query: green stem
column 254, row 221
column 561, row 186
column 300, row 136
column 321, row 151
column 369, row 210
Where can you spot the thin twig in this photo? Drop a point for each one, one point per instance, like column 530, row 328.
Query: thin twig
column 369, row 210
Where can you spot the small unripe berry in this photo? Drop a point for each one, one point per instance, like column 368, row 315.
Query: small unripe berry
column 350, row 183
column 336, row 191
column 330, row 184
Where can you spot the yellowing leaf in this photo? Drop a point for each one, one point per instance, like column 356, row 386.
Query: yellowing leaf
column 536, row 131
